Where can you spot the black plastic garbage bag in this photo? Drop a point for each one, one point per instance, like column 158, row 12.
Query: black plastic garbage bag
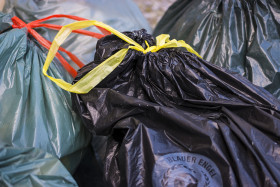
column 241, row 35
column 174, row 119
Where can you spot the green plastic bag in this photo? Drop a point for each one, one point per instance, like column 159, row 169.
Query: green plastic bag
column 33, row 111
column 240, row 35
column 31, row 167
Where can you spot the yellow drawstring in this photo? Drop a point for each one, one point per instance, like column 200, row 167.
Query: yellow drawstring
column 96, row 75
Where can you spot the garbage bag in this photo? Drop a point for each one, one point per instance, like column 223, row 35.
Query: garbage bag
column 31, row 167
column 173, row 119
column 243, row 36
column 123, row 15
column 33, row 112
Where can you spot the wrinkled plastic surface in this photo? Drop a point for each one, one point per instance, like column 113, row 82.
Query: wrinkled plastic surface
column 5, row 22
column 33, row 111
column 241, row 35
column 122, row 15
column 95, row 76
column 31, row 167
column 175, row 119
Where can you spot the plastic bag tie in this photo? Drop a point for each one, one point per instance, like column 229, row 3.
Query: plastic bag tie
column 18, row 23
column 96, row 75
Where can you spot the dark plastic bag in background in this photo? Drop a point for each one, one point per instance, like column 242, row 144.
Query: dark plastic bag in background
column 174, row 119
column 243, row 36
column 31, row 167
column 34, row 112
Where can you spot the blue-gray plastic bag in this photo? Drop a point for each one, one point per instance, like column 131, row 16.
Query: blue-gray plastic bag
column 123, row 15
column 31, row 167
column 34, row 112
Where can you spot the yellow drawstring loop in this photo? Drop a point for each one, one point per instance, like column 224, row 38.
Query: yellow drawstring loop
column 96, row 75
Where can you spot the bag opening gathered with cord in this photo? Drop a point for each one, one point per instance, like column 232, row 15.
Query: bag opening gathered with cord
column 94, row 77
column 170, row 116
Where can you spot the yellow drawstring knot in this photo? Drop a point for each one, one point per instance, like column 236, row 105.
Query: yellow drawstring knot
column 162, row 41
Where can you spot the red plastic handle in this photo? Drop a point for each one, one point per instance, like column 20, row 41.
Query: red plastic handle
column 18, row 23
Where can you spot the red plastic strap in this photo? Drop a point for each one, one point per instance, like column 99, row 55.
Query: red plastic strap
column 18, row 23
column 79, row 31
column 104, row 31
column 71, row 55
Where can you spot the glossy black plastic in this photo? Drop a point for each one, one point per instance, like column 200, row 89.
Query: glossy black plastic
column 174, row 119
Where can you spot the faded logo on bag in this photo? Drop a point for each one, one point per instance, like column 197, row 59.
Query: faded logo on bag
column 186, row 169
